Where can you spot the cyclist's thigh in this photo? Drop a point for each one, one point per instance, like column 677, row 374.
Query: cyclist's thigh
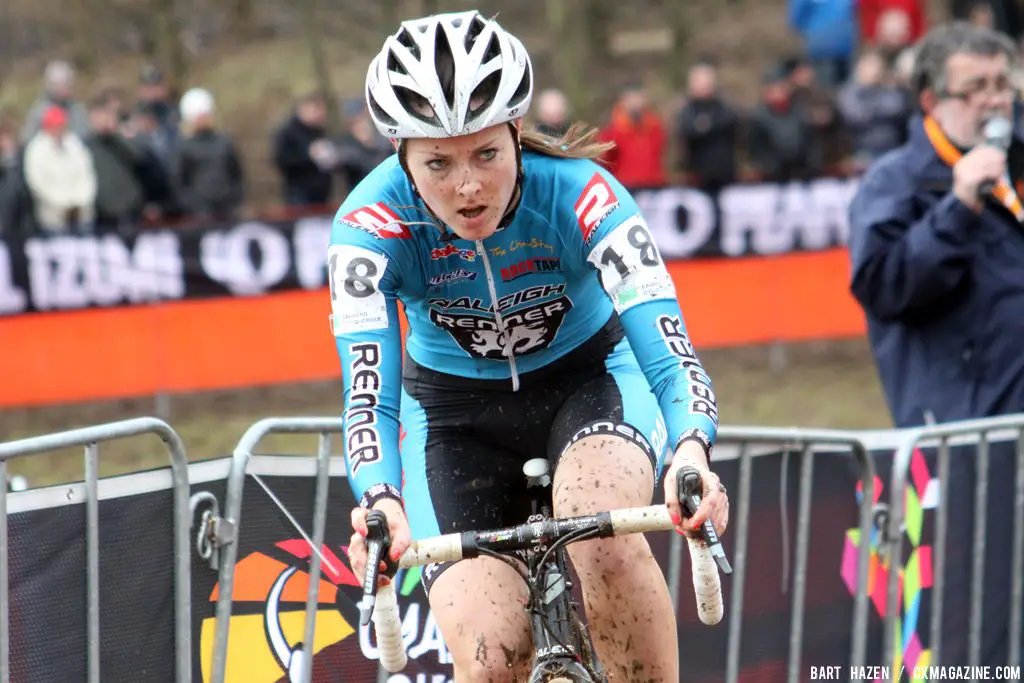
column 608, row 444
column 456, row 482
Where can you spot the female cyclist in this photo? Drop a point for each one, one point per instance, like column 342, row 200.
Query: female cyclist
column 542, row 321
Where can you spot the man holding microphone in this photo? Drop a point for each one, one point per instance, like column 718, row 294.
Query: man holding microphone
column 937, row 249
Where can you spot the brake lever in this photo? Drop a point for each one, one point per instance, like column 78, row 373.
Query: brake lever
column 378, row 544
column 690, row 488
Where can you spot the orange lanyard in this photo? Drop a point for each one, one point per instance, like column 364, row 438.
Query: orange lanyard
column 948, row 152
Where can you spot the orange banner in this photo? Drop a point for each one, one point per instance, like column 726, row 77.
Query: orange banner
column 53, row 358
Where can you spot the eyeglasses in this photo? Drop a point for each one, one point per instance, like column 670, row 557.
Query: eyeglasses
column 976, row 89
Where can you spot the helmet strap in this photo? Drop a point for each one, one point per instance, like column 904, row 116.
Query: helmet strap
column 517, row 191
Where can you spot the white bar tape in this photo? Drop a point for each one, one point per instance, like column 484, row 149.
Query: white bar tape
column 707, row 585
column 389, row 630
column 641, row 520
column 447, row 548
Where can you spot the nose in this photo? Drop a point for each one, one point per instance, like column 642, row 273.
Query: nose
column 467, row 185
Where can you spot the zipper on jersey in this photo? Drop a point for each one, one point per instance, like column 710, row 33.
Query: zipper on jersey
column 497, row 314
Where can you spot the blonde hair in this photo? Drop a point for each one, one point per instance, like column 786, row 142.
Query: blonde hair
column 579, row 142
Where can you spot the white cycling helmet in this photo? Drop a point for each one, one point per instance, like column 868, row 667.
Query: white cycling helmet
column 448, row 75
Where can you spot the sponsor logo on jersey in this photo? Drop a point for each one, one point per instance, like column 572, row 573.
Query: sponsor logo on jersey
column 595, row 204
column 363, row 444
column 454, row 276
column 505, row 303
column 378, row 220
column 702, row 398
column 620, row 428
column 515, row 245
column 526, row 330
column 452, row 250
column 533, row 265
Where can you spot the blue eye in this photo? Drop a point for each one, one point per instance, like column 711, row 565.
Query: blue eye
column 436, row 164
column 488, row 154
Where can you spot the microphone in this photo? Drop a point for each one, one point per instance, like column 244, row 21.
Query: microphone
column 998, row 133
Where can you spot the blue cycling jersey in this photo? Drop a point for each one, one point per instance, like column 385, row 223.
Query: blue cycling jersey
column 576, row 251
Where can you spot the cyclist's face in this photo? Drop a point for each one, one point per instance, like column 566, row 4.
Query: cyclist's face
column 467, row 180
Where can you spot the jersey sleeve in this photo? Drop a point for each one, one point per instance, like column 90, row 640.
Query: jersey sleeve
column 364, row 274
column 607, row 230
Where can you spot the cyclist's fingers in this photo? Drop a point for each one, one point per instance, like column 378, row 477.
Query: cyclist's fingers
column 401, row 539
column 356, row 546
column 359, row 520
column 672, row 502
column 718, row 511
column 357, row 555
column 702, row 513
column 723, row 521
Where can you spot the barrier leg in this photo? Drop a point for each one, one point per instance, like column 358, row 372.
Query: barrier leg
column 858, row 646
column 732, row 666
column 319, row 522
column 1017, row 574
column 939, row 556
column 796, row 627
column 92, row 557
column 978, row 560
column 5, row 593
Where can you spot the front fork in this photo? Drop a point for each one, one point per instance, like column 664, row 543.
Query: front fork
column 551, row 659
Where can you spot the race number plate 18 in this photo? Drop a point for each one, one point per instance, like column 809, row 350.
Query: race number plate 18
column 354, row 274
column 632, row 271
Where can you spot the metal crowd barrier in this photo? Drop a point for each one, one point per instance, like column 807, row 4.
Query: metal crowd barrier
column 743, row 438
column 981, row 433
column 89, row 437
column 806, row 440
column 233, row 512
column 733, row 442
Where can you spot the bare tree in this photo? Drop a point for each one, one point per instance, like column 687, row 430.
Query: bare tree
column 680, row 15
column 170, row 50
column 569, row 52
column 314, row 39
column 242, row 15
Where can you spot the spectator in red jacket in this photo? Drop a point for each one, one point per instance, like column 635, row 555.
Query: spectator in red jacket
column 639, row 136
column 872, row 10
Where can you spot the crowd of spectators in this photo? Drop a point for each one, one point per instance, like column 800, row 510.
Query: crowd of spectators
column 112, row 164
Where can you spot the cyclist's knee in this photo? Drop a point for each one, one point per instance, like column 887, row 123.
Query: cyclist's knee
column 601, row 472
column 608, row 558
column 478, row 605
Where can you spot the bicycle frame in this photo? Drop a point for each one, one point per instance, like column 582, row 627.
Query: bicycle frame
column 561, row 647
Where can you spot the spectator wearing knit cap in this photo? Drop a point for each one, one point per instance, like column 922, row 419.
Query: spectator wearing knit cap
column 58, row 83
column 206, row 171
column 60, row 175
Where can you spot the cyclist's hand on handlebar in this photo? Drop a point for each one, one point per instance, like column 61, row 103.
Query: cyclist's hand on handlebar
column 398, row 527
column 714, row 504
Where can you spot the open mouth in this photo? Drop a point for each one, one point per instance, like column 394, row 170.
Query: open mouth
column 472, row 212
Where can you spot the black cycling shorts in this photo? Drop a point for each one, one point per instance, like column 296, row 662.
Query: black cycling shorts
column 464, row 441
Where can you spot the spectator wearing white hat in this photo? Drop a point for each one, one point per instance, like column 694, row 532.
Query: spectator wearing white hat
column 58, row 84
column 206, row 170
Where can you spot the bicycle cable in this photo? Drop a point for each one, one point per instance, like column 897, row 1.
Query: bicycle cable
column 507, row 560
column 571, row 537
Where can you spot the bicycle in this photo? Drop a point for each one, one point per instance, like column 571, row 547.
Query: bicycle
column 563, row 652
